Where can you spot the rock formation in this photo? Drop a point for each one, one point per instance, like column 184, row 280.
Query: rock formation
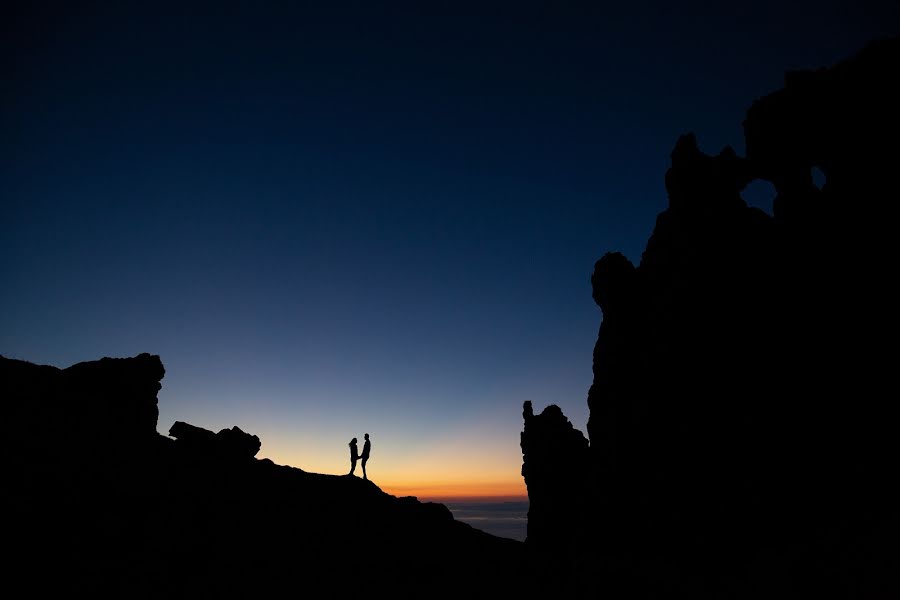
column 742, row 430
column 559, row 463
column 741, row 427
column 101, row 505
column 232, row 442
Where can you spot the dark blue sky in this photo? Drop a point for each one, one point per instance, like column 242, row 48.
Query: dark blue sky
column 336, row 217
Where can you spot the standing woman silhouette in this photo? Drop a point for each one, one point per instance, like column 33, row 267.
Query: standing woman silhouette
column 354, row 455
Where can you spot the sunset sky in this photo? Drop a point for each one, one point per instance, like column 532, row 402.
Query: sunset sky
column 334, row 218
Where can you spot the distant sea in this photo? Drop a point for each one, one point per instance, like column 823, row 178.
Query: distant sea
column 503, row 519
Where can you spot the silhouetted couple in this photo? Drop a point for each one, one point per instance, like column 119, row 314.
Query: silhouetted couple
column 355, row 455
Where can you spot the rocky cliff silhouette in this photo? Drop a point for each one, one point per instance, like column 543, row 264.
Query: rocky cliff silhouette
column 741, row 443
column 101, row 505
column 743, row 424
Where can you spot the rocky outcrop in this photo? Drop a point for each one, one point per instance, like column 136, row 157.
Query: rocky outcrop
column 740, row 436
column 99, row 414
column 554, row 470
column 102, row 505
column 228, row 443
column 88, row 396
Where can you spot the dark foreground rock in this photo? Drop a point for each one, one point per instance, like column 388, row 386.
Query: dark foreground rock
column 101, row 505
column 743, row 424
column 741, row 444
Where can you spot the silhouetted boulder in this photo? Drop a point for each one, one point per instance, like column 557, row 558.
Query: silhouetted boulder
column 192, row 437
column 229, row 443
column 238, row 442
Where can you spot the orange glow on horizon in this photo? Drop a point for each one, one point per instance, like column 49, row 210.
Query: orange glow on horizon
column 451, row 467
column 439, row 492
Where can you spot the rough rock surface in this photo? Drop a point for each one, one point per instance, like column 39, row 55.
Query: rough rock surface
column 103, row 506
column 232, row 442
column 742, row 429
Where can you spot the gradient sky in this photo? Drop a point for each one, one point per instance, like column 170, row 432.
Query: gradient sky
column 372, row 217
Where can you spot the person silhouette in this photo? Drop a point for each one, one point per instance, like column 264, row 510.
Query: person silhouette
column 367, row 448
column 354, row 456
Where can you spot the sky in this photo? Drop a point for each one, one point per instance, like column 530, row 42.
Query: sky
column 337, row 218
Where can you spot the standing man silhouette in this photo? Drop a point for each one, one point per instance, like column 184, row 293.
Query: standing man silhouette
column 354, row 456
column 367, row 447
